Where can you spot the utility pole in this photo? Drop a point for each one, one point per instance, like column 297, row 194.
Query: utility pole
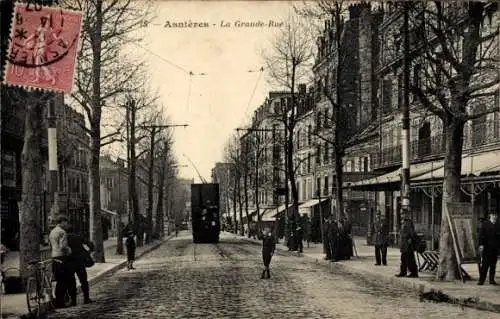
column 405, row 136
column 53, row 166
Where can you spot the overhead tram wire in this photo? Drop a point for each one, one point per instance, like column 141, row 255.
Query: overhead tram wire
column 261, row 70
column 196, row 169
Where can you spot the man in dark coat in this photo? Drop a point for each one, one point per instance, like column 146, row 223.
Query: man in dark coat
column 299, row 238
column 381, row 239
column 489, row 246
column 77, row 260
column 333, row 240
column 326, row 242
column 268, row 247
column 407, row 237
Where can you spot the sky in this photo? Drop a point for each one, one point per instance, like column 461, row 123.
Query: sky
column 214, row 104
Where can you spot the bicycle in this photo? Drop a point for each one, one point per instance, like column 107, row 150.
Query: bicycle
column 39, row 292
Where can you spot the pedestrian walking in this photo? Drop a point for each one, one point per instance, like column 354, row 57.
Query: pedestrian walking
column 130, row 244
column 407, row 237
column 489, row 246
column 79, row 260
column 60, row 251
column 268, row 247
column 381, row 239
column 326, row 240
column 308, row 232
column 300, row 239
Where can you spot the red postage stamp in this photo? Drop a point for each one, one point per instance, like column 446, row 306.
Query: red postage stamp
column 43, row 47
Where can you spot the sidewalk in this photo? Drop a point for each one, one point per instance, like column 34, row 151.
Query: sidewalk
column 14, row 305
column 468, row 294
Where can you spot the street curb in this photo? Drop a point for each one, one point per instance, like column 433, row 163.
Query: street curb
column 118, row 267
column 419, row 287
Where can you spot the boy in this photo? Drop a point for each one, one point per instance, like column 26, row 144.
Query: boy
column 130, row 244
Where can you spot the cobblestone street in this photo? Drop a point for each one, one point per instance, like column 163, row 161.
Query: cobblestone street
column 183, row 280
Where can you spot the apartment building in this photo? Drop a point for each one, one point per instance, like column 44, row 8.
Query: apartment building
column 480, row 164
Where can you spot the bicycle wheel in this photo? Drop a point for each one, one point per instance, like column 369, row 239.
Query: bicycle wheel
column 32, row 295
column 48, row 295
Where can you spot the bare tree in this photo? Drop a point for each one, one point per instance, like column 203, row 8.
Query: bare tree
column 162, row 168
column 107, row 25
column 459, row 57
column 232, row 155
column 138, row 107
column 288, row 62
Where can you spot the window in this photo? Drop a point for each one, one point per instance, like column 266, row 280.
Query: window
column 366, row 164
column 318, row 121
column 325, row 189
column 416, row 75
column 325, row 155
column 325, row 124
column 309, row 135
column 386, row 95
column 318, row 154
column 348, row 166
column 318, row 187
column 401, row 99
column 309, row 162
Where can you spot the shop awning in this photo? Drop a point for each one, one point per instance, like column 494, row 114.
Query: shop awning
column 269, row 215
column 281, row 208
column 394, row 177
column 312, row 202
column 109, row 212
column 305, row 208
column 472, row 165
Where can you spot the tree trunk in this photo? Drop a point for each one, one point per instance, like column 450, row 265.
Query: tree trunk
column 159, row 207
column 119, row 236
column 339, row 179
column 448, row 266
column 235, row 206
column 245, row 189
column 136, row 220
column 149, row 213
column 242, row 230
column 257, row 204
column 95, row 140
column 31, row 166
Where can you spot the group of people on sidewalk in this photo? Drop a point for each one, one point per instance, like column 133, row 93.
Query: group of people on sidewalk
column 338, row 244
column 71, row 256
column 338, row 241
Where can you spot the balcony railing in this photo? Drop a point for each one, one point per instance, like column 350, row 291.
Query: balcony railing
column 476, row 136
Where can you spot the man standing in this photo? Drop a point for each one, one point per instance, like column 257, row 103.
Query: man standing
column 381, row 239
column 300, row 238
column 268, row 247
column 407, row 237
column 326, row 240
column 60, row 265
column 78, row 260
column 489, row 245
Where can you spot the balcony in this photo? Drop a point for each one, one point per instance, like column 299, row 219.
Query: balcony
column 478, row 135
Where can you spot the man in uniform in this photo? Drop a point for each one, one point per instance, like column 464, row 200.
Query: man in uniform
column 407, row 237
column 381, row 239
column 489, row 246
